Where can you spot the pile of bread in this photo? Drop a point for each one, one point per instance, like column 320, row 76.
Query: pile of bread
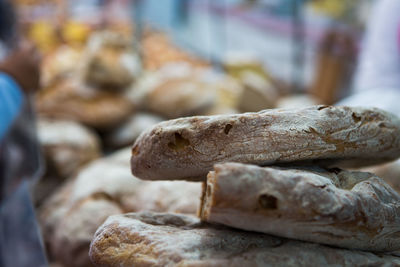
column 95, row 101
column 273, row 193
column 102, row 188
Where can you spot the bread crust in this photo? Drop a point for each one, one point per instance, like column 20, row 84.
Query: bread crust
column 105, row 187
column 71, row 99
column 156, row 239
column 187, row 148
column 355, row 210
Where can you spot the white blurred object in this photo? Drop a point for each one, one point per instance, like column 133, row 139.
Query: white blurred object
column 297, row 101
column 377, row 80
column 3, row 51
column 383, row 98
column 127, row 133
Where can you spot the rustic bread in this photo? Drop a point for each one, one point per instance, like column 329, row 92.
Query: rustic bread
column 67, row 145
column 355, row 210
column 176, row 90
column 105, row 187
column 111, row 176
column 154, row 239
column 71, row 99
column 53, row 210
column 187, row 148
column 71, row 239
column 59, row 64
column 109, row 61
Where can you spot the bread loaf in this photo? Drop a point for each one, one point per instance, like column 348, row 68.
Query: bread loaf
column 355, row 210
column 67, row 145
column 71, row 99
column 154, row 239
column 187, row 148
column 176, row 90
column 109, row 61
column 105, row 187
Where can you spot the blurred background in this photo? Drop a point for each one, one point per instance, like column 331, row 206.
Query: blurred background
column 301, row 46
column 111, row 69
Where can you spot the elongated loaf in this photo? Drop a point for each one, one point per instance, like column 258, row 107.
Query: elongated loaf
column 187, row 148
column 355, row 210
column 155, row 239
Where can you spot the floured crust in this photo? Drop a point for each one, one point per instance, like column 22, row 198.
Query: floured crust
column 71, row 239
column 105, row 187
column 67, row 145
column 187, row 148
column 156, row 239
column 176, row 90
column 354, row 210
column 109, row 61
column 70, row 99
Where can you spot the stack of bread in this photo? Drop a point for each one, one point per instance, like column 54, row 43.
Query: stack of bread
column 70, row 217
column 91, row 86
column 275, row 172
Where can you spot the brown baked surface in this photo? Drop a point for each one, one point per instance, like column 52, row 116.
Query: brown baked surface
column 70, row 217
column 73, row 100
column 157, row 239
column 355, row 210
column 187, row 148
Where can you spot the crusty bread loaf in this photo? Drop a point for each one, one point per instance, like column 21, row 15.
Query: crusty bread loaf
column 105, row 187
column 109, row 61
column 70, row 242
column 355, row 210
column 187, row 148
column 154, row 239
column 67, row 145
column 71, row 99
column 176, row 90
column 110, row 176
column 59, row 64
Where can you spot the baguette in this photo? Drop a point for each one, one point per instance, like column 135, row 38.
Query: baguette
column 355, row 210
column 187, row 148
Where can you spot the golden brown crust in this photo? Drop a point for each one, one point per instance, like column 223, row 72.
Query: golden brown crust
column 187, row 148
column 177, row 90
column 72, row 100
column 156, row 239
column 355, row 210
